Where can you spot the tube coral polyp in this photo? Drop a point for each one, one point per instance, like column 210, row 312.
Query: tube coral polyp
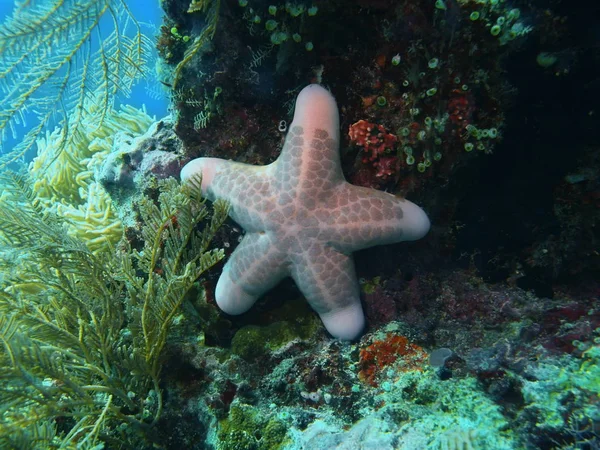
column 386, row 166
column 460, row 109
column 377, row 143
column 373, row 138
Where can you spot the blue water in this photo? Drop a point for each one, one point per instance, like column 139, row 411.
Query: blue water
column 147, row 92
column 148, row 12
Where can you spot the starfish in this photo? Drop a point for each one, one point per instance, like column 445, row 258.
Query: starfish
column 303, row 219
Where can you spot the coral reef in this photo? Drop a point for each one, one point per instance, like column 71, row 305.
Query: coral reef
column 416, row 410
column 381, row 354
column 433, row 77
column 134, row 164
column 484, row 335
column 499, row 295
column 558, row 391
column 247, row 428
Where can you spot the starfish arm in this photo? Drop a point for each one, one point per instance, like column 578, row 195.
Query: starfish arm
column 356, row 218
column 308, row 165
column 247, row 188
column 310, row 160
column 327, row 279
column 254, row 267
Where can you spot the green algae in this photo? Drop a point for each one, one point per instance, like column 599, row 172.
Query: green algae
column 253, row 341
column 245, row 429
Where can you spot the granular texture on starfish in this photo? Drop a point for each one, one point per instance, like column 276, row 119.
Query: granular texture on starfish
column 302, row 219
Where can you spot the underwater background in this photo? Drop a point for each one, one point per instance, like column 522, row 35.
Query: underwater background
column 483, row 332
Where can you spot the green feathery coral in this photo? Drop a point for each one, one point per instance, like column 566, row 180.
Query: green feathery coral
column 81, row 333
column 210, row 8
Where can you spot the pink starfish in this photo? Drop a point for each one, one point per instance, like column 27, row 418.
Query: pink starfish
column 304, row 220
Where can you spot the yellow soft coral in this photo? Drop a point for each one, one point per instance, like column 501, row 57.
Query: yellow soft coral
column 63, row 180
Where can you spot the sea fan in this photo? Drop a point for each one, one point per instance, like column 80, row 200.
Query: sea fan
column 82, row 334
column 54, row 54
